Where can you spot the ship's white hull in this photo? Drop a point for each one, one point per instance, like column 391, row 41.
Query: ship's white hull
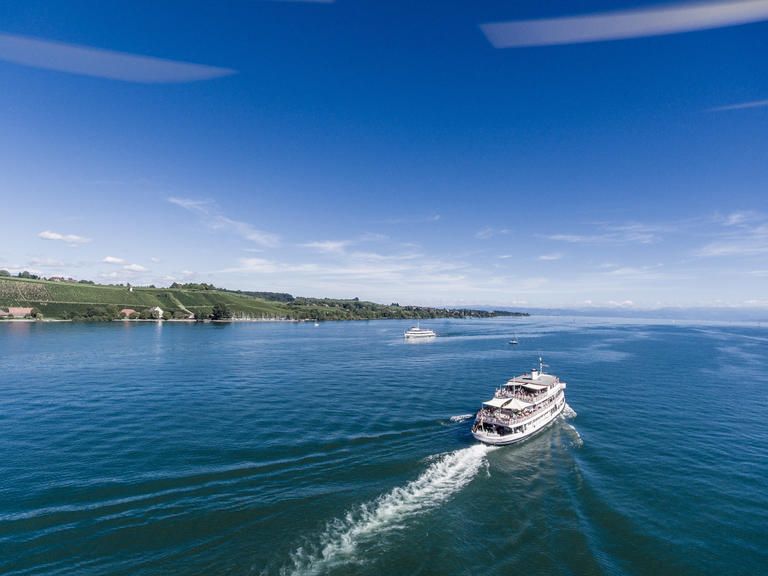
column 419, row 336
column 531, row 428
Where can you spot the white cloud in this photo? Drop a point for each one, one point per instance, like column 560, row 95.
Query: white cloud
column 209, row 213
column 71, row 239
column 490, row 232
column 46, row 263
column 550, row 257
column 614, row 234
column 621, row 304
column 193, row 205
column 113, row 260
column 641, row 273
column 373, row 237
column 740, row 106
column 415, row 219
column 620, row 25
column 332, row 246
column 340, row 246
column 134, row 268
column 739, row 218
column 88, row 61
column 746, row 234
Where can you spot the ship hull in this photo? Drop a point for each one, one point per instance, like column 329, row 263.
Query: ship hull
column 531, row 429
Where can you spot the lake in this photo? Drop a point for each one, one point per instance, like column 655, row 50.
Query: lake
column 283, row 448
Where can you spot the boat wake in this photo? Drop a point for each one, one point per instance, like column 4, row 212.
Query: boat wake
column 461, row 417
column 574, row 434
column 567, row 414
column 342, row 537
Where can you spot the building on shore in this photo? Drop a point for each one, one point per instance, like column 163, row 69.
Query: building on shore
column 16, row 312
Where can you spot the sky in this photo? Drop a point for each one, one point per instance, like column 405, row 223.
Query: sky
column 518, row 153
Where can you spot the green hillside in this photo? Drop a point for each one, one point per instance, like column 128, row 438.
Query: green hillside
column 77, row 300
column 74, row 300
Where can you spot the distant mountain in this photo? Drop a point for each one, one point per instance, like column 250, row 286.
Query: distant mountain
column 666, row 313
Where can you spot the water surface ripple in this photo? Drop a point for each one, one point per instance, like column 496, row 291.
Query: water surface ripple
column 289, row 449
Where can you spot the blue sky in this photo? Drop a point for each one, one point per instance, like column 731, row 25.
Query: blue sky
column 505, row 153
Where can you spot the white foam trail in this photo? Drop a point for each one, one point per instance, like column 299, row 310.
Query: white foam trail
column 571, row 429
column 568, row 412
column 461, row 417
column 342, row 537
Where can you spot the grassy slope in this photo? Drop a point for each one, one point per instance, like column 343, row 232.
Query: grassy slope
column 54, row 298
column 64, row 299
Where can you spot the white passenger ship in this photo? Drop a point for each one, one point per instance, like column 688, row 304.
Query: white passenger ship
column 419, row 332
column 522, row 407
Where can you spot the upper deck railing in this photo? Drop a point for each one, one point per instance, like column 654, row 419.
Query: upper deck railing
column 498, row 416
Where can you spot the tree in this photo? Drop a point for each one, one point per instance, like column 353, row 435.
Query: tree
column 221, row 312
column 35, row 313
column 4, row 273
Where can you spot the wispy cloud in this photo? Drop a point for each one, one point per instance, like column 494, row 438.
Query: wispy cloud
column 621, row 303
column 490, row 232
column 70, row 239
column 113, row 260
column 744, row 243
column 135, row 268
column 739, row 218
column 742, row 233
column 47, row 263
column 89, row 61
column 550, row 257
column 740, row 106
column 328, row 246
column 654, row 272
column 620, row 25
column 342, row 246
column 614, row 234
column 414, row 219
column 210, row 214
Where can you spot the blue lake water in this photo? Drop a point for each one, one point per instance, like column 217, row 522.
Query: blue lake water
column 292, row 449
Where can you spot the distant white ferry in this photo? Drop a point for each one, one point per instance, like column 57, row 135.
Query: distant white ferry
column 419, row 332
column 525, row 405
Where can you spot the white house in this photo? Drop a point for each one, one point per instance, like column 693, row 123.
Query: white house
column 157, row 312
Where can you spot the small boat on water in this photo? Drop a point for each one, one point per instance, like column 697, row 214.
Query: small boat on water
column 513, row 341
column 523, row 406
column 416, row 332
